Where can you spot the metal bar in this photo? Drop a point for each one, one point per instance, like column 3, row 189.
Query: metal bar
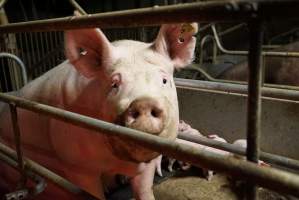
column 51, row 61
column 20, row 47
column 232, row 29
column 40, row 182
column 48, row 61
column 2, row 3
column 267, row 157
column 20, row 64
column 266, row 177
column 17, row 137
column 254, row 99
column 236, row 88
column 37, row 168
column 32, row 55
column 264, row 53
column 55, row 46
column 43, row 51
column 283, row 34
column 37, row 48
column 5, row 77
column 223, row 11
column 29, row 63
column 78, row 7
column 204, row 40
column 210, row 78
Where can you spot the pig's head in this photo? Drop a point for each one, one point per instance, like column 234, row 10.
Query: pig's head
column 138, row 79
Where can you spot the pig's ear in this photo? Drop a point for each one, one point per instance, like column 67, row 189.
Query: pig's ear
column 177, row 42
column 88, row 50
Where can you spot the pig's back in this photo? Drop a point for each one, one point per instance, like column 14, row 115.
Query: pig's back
column 35, row 127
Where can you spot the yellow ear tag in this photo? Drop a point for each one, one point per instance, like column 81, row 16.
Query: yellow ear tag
column 187, row 29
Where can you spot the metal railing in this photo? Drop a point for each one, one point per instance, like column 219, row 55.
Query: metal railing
column 264, row 176
column 239, row 10
column 20, row 64
column 264, row 53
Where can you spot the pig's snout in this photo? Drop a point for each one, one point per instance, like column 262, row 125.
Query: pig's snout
column 146, row 115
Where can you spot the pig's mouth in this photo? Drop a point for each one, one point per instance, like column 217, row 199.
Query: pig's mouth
column 129, row 150
column 144, row 115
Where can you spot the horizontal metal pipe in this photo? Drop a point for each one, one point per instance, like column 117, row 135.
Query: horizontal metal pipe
column 237, row 88
column 210, row 78
column 207, row 11
column 267, row 157
column 264, row 53
column 40, row 182
column 266, row 177
column 37, row 168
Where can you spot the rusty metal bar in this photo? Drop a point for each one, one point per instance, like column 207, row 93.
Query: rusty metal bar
column 236, row 88
column 78, row 7
column 267, row 157
column 40, row 182
column 17, row 137
column 254, row 101
column 37, row 168
column 223, row 11
column 264, row 53
column 266, row 177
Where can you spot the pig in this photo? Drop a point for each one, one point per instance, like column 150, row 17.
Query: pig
column 125, row 82
column 182, row 128
column 208, row 174
column 243, row 143
column 187, row 129
column 278, row 70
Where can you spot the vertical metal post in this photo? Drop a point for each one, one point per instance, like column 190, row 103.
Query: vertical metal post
column 32, row 54
column 254, row 98
column 16, row 130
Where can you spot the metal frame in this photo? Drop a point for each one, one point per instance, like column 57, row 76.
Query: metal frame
column 223, row 11
column 238, row 10
column 236, row 88
column 266, row 177
column 217, row 43
column 19, row 62
column 264, row 53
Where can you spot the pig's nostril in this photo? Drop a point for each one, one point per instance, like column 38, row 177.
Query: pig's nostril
column 135, row 114
column 156, row 113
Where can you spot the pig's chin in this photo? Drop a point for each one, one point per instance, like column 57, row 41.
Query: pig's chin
column 127, row 150
column 131, row 151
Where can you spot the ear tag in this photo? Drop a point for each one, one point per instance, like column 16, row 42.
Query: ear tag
column 187, row 29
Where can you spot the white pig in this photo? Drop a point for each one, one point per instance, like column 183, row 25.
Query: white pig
column 243, row 143
column 126, row 82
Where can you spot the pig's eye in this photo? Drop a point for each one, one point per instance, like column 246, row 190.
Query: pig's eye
column 164, row 80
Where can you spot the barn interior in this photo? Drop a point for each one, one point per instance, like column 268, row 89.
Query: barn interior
column 212, row 91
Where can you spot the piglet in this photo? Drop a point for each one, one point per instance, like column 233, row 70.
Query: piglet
column 243, row 143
